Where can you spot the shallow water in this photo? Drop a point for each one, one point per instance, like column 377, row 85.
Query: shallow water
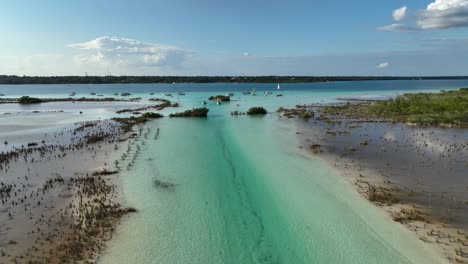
column 238, row 189
column 244, row 193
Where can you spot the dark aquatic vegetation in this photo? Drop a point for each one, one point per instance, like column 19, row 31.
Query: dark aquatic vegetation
column 163, row 184
column 258, row 110
column 196, row 112
column 29, row 100
column 222, row 98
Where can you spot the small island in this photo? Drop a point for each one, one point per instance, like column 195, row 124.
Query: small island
column 195, row 112
column 220, row 98
column 29, row 100
column 258, row 110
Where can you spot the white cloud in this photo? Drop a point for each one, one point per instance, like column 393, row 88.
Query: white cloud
column 440, row 14
column 129, row 52
column 443, row 14
column 400, row 13
column 396, row 28
column 383, row 65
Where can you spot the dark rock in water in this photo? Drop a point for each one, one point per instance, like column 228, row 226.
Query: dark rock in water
column 162, row 184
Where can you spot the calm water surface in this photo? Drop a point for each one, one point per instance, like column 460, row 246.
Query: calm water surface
column 243, row 192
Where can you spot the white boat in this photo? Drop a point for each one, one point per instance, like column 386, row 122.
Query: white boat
column 278, row 88
column 254, row 92
column 246, row 92
column 167, row 94
column 230, row 94
column 204, row 102
column 266, row 93
column 72, row 94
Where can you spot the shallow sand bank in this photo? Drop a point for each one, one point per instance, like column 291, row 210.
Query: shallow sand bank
column 418, row 175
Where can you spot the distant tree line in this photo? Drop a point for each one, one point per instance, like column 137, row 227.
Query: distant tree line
column 14, row 79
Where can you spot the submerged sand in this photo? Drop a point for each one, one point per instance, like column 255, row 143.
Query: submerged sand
column 418, row 175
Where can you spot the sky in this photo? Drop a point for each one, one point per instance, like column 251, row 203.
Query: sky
column 242, row 37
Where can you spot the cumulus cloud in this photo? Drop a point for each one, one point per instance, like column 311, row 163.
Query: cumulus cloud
column 440, row 14
column 443, row 14
column 400, row 13
column 131, row 52
column 383, row 65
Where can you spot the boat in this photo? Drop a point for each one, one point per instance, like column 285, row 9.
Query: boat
column 125, row 94
column 254, row 92
column 204, row 102
column 278, row 88
column 246, row 92
column 230, row 94
column 151, row 93
column 116, row 93
column 72, row 94
column 266, row 93
column 93, row 93
column 181, row 93
column 167, row 94
column 278, row 95
column 2, row 94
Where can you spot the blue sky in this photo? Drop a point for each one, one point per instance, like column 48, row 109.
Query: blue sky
column 207, row 37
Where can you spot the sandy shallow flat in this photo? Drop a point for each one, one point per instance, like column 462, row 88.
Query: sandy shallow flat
column 418, row 174
column 47, row 195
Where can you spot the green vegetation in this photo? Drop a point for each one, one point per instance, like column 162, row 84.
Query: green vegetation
column 13, row 79
column 195, row 112
column 151, row 115
column 29, row 100
column 428, row 109
column 128, row 123
column 257, row 111
column 223, row 98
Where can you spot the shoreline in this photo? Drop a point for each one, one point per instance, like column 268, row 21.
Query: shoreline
column 392, row 182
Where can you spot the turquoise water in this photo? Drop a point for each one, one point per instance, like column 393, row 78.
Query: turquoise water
column 241, row 191
column 244, row 193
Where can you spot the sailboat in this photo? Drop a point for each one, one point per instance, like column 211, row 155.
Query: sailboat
column 278, row 88
column 254, row 92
